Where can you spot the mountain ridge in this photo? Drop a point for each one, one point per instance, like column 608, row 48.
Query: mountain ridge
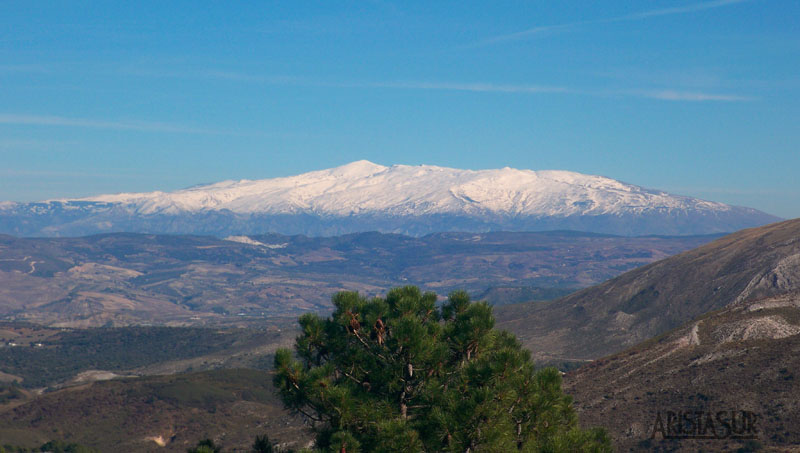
column 650, row 300
column 363, row 196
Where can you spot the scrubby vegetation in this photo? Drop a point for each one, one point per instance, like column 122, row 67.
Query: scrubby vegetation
column 111, row 349
column 120, row 414
column 54, row 446
column 10, row 392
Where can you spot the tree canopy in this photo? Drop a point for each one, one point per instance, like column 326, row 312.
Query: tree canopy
column 402, row 373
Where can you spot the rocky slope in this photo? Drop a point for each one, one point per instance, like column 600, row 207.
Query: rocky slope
column 745, row 357
column 648, row 301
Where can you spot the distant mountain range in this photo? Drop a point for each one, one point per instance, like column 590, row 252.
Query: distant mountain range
column 363, row 196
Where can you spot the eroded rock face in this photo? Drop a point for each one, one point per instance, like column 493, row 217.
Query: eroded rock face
column 783, row 276
column 761, row 328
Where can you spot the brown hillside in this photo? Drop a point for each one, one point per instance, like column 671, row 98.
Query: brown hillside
column 744, row 266
column 157, row 413
column 743, row 358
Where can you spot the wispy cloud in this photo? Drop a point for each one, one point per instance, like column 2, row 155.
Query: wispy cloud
column 689, row 96
column 665, row 94
column 662, row 94
column 235, row 76
column 212, row 74
column 545, row 29
column 680, row 9
column 145, row 126
column 472, row 87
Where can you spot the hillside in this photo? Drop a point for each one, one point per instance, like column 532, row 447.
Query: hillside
column 148, row 413
column 648, row 301
column 36, row 357
column 139, row 388
column 745, row 357
column 124, row 279
column 362, row 196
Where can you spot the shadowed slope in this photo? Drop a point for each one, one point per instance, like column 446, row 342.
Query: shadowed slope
column 747, row 265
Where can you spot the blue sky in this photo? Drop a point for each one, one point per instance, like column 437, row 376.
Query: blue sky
column 695, row 97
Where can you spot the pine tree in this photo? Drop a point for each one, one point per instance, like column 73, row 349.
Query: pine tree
column 401, row 374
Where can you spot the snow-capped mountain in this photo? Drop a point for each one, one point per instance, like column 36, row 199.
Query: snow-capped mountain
column 363, row 196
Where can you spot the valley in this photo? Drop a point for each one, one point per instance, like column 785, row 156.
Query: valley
column 129, row 279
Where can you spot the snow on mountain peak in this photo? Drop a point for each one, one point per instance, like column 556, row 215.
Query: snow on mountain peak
column 359, row 168
column 409, row 199
column 363, row 187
